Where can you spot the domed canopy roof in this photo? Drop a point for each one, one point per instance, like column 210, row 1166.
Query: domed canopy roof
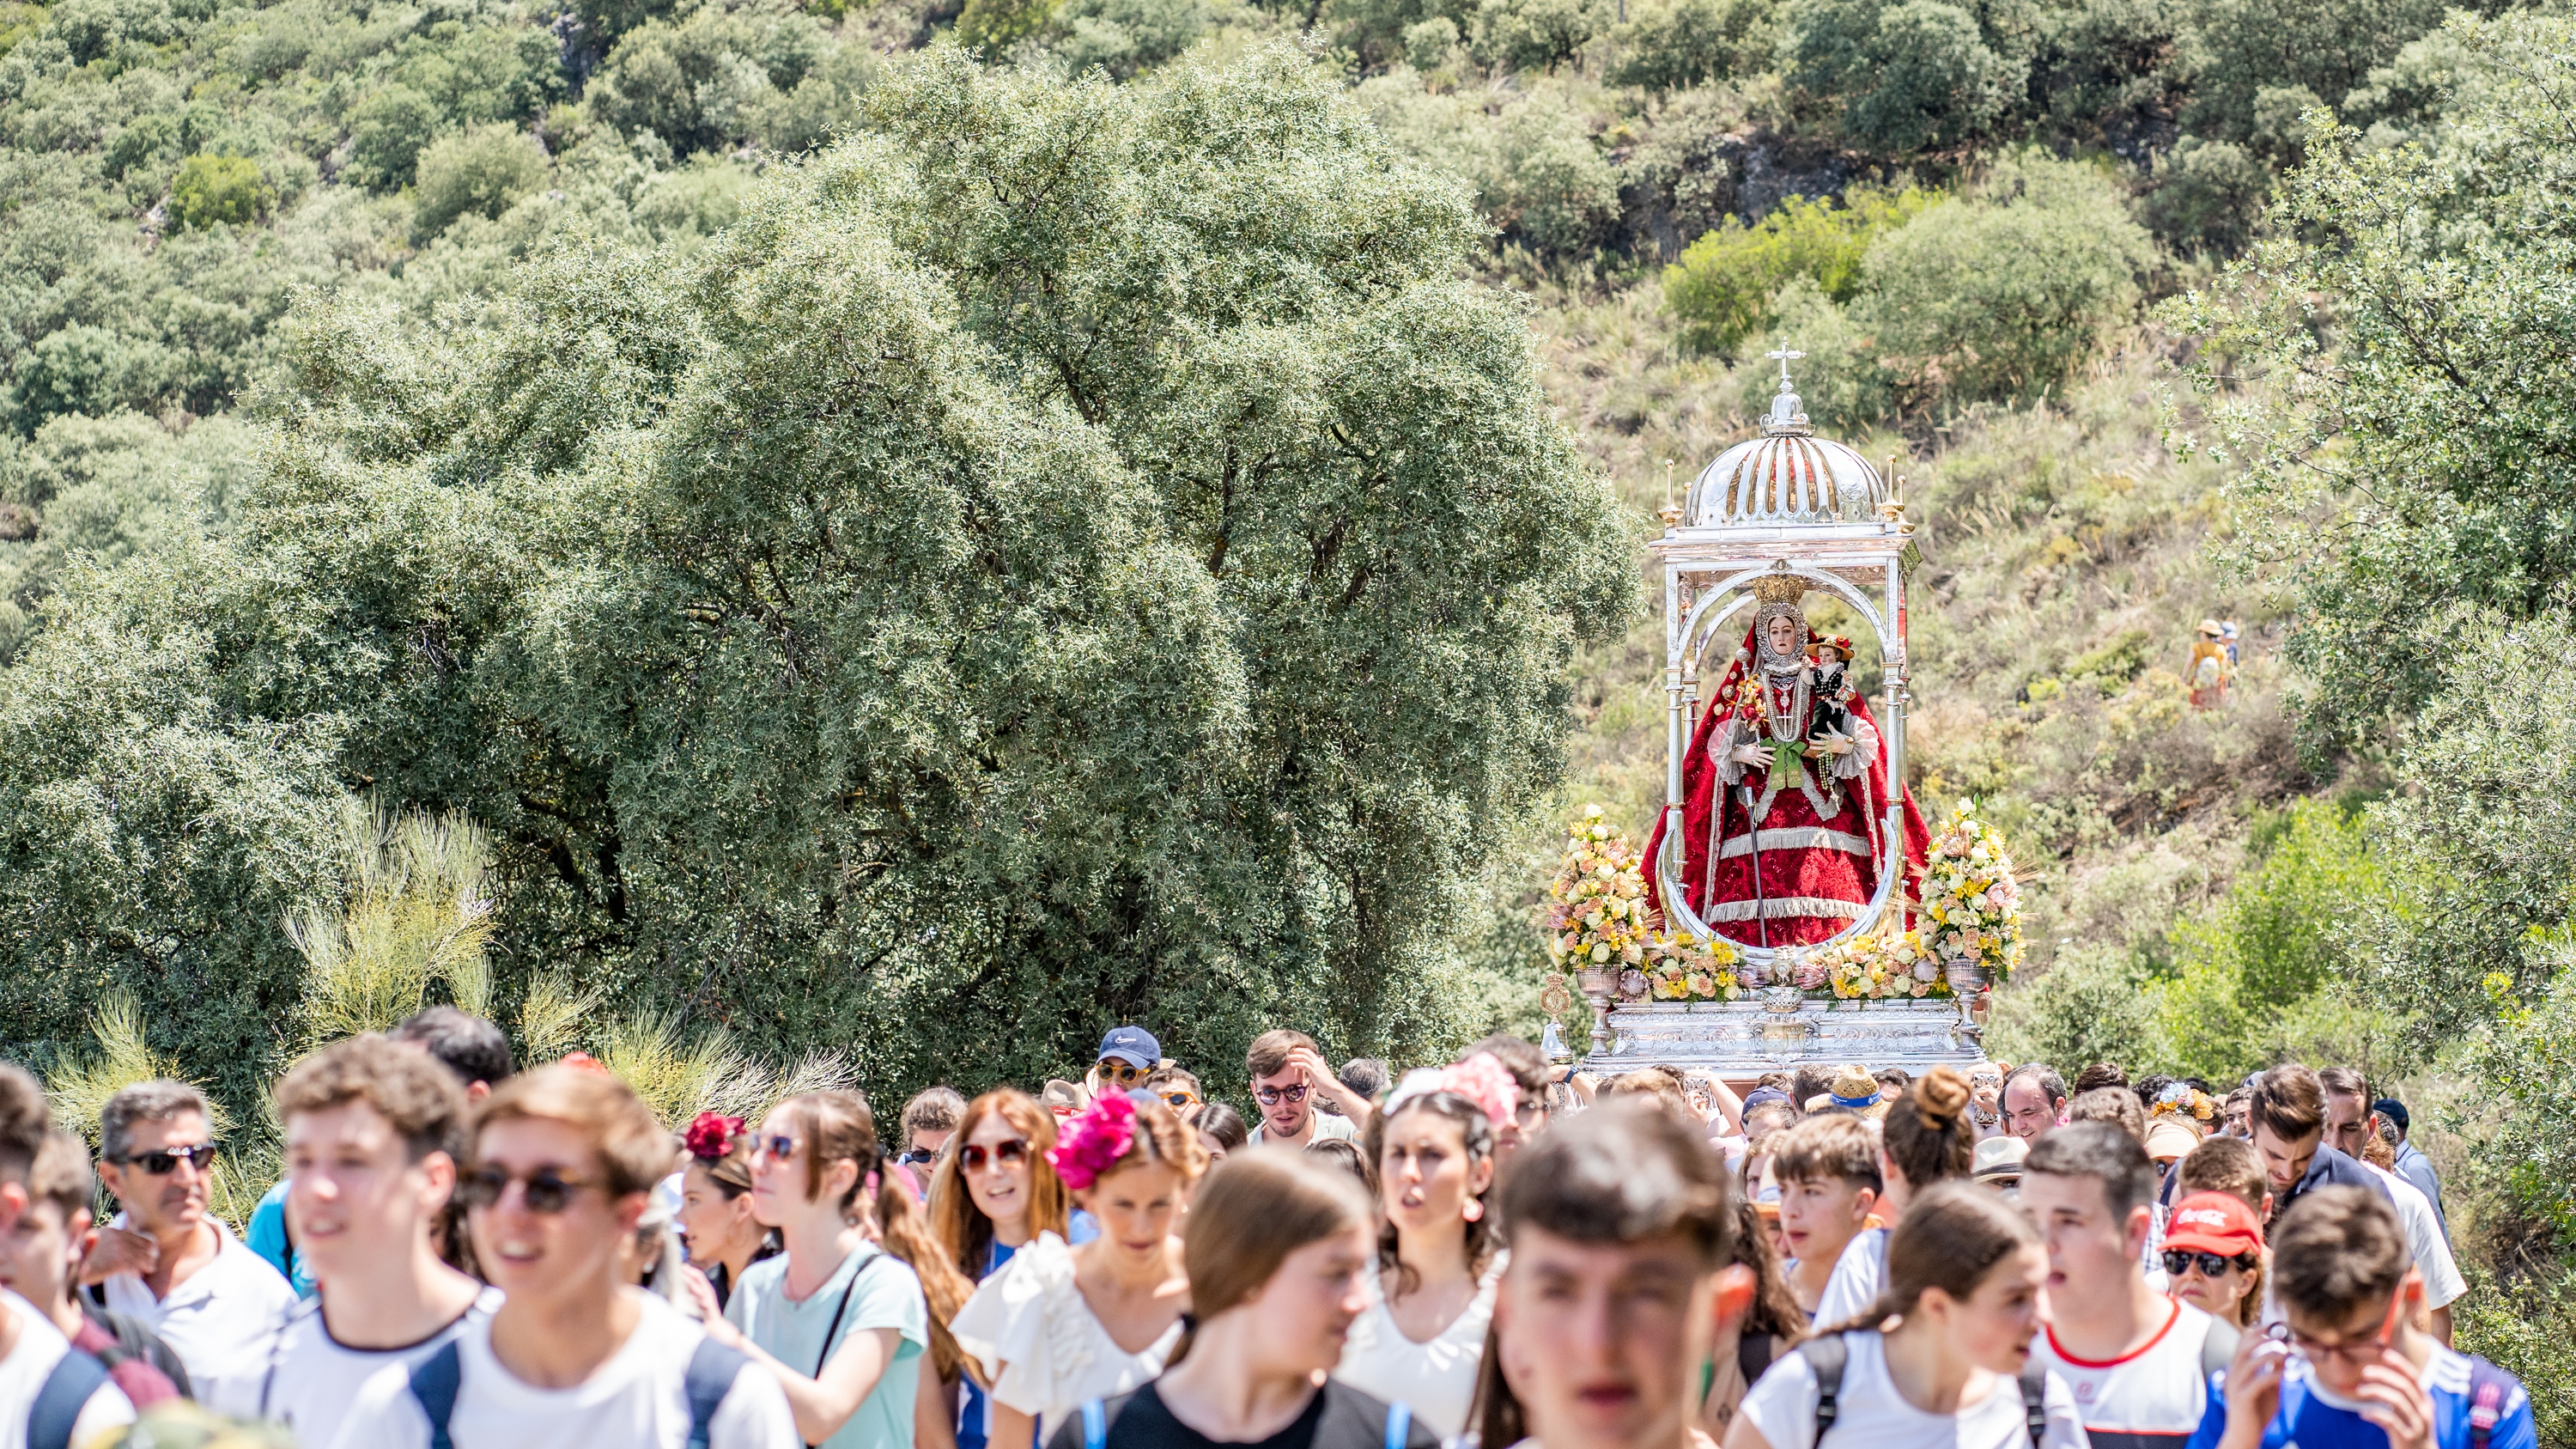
column 1786, row 476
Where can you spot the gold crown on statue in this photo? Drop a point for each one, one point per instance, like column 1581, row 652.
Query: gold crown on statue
column 1780, row 586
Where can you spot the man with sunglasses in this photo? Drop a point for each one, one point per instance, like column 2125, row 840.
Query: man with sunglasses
column 1128, row 1055
column 163, row 1261
column 564, row 1164
column 2140, row 1363
column 1288, row 1073
column 2348, row 1369
column 373, row 1128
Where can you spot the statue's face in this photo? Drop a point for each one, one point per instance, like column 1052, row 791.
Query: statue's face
column 1783, row 633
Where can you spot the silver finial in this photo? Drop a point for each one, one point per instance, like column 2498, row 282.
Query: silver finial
column 1784, row 353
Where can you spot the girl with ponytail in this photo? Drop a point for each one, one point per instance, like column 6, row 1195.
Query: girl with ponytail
column 1928, row 1138
column 1942, row 1357
column 845, row 1314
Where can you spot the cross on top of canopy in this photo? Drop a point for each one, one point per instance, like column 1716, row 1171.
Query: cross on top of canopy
column 1786, row 476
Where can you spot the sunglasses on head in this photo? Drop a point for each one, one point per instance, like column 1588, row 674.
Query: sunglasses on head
column 2179, row 1262
column 163, row 1163
column 974, row 1155
column 1119, row 1070
column 1269, row 1096
column 544, row 1190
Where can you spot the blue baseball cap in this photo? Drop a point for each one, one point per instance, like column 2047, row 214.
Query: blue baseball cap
column 1133, row 1045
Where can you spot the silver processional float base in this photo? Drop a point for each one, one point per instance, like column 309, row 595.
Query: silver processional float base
column 1741, row 1040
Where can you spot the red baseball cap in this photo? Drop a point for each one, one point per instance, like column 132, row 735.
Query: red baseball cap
column 2213, row 1222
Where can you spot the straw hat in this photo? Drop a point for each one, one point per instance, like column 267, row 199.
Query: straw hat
column 2213, row 628
column 1856, row 1091
column 2169, row 1139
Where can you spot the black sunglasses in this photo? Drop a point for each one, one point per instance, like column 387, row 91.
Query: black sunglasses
column 546, row 1190
column 162, row 1164
column 973, row 1155
column 2178, row 1262
column 916, row 1155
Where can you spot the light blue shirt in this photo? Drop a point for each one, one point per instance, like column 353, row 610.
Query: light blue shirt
column 882, row 1292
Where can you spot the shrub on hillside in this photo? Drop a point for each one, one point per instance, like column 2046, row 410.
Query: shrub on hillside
column 1670, row 45
column 1534, row 34
column 479, row 171
column 213, row 190
column 1723, row 285
column 1123, row 37
column 2004, row 292
column 994, row 26
column 706, row 81
column 386, row 134
column 1909, row 75
column 2204, row 197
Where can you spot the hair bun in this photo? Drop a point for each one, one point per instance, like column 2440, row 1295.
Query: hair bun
column 1940, row 1095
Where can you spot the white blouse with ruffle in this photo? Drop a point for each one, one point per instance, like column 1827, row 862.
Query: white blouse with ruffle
column 1438, row 1377
column 1038, row 1343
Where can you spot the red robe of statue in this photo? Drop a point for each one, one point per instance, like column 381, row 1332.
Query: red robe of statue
column 1816, row 866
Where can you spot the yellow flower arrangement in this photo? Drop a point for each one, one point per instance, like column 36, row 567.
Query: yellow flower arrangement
column 1971, row 903
column 1599, row 919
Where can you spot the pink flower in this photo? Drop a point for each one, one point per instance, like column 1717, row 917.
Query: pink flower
column 1484, row 1081
column 1091, row 1143
column 710, row 1133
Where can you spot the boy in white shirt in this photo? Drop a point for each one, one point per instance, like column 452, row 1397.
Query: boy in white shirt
column 564, row 1163
column 373, row 1128
column 164, row 1261
column 2140, row 1363
column 51, row 1394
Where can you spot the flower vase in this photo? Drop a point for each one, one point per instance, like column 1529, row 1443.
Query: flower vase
column 1967, row 982
column 1597, row 986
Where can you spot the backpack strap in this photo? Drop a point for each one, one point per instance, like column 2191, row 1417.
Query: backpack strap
column 434, row 1381
column 58, row 1405
column 1753, row 1355
column 1095, row 1425
column 1827, row 1356
column 1399, row 1424
column 2034, row 1399
column 712, row 1370
column 2490, row 1390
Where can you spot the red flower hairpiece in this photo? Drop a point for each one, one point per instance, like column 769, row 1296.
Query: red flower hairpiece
column 710, row 1134
column 1093, row 1142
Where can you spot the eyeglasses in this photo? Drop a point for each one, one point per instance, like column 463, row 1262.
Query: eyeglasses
column 544, row 1190
column 1269, row 1096
column 1529, row 1110
column 1180, row 1099
column 1118, row 1070
column 2179, row 1262
column 162, row 1164
column 973, row 1156
column 776, row 1148
column 2359, row 1352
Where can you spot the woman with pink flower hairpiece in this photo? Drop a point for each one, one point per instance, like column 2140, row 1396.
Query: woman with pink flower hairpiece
column 1058, row 1325
column 1423, row 1334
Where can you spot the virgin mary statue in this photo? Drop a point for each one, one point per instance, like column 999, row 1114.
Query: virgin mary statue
column 1785, row 789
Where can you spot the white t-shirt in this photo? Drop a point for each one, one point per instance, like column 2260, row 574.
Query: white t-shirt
column 637, row 1400
column 1436, row 1378
column 2152, row 1398
column 1870, row 1414
column 299, row 1376
column 1858, row 1276
column 2424, row 1239
column 1327, row 1126
column 212, row 1316
column 22, row 1376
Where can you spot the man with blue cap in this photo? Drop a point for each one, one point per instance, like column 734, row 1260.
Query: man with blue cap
column 1128, row 1055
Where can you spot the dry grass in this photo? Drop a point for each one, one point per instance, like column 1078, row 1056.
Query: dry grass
column 417, row 913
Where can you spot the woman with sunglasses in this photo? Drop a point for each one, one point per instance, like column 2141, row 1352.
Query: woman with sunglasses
column 842, row 1318
column 1059, row 1325
column 716, row 1226
column 1438, row 1258
column 989, row 1196
column 2213, row 1255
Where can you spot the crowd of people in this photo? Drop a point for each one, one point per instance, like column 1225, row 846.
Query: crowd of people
column 1498, row 1251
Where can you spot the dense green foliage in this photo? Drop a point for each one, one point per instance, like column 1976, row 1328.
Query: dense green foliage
column 1068, row 550
column 1723, row 286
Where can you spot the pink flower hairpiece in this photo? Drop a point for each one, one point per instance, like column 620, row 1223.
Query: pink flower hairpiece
column 710, row 1133
column 1092, row 1142
column 1480, row 1079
